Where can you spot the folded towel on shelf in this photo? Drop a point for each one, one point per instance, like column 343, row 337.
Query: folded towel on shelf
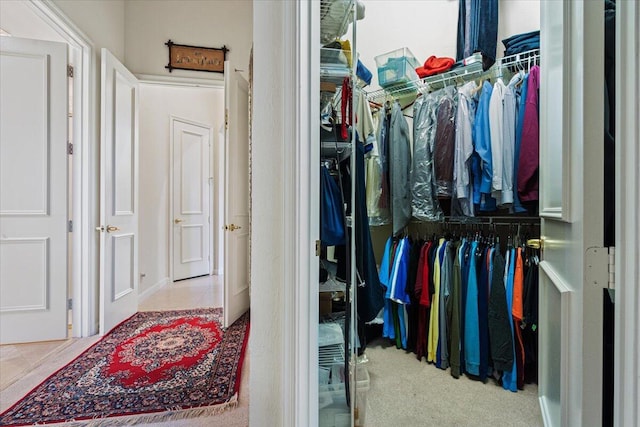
column 434, row 65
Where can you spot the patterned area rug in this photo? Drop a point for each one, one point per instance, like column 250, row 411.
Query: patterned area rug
column 155, row 366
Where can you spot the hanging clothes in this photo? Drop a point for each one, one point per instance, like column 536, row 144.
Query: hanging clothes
column 400, row 168
column 385, row 275
column 471, row 328
column 332, row 226
column 476, row 309
column 500, row 335
column 478, row 30
column 454, row 311
column 378, row 191
column 465, row 258
column 444, row 143
column 496, row 131
column 521, row 102
column 393, row 276
column 509, row 377
column 414, row 297
column 462, row 202
column 517, row 312
column 530, row 322
column 484, row 268
column 446, row 273
column 424, row 304
column 424, row 203
column 434, row 325
column 509, row 140
column 530, row 145
column 482, row 140
column 370, row 298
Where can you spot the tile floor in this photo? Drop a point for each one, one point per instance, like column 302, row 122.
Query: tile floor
column 24, row 366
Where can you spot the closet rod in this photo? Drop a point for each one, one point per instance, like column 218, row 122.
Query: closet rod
column 481, row 220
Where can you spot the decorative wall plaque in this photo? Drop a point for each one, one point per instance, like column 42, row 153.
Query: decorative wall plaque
column 197, row 58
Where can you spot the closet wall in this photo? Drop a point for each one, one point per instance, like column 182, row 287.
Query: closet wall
column 430, row 27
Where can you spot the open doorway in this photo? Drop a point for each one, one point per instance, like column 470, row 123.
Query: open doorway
column 181, row 186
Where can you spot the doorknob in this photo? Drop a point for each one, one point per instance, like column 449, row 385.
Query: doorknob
column 535, row 243
column 177, row 220
column 232, row 227
column 111, row 228
column 100, row 228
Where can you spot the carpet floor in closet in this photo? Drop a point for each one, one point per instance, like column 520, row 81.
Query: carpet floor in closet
column 408, row 393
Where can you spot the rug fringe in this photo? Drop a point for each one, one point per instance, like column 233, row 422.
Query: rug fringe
column 157, row 417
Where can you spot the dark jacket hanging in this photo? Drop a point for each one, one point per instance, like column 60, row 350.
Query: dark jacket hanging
column 500, row 337
column 478, row 30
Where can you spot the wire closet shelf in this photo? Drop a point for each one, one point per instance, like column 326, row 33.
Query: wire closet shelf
column 512, row 63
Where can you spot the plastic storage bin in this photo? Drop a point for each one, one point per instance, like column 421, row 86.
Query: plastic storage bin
column 334, row 411
column 396, row 68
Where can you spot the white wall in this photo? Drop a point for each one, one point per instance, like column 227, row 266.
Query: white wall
column 150, row 23
column 102, row 21
column 157, row 104
column 269, row 136
column 430, row 27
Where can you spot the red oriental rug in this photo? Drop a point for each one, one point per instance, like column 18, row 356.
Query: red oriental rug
column 155, row 366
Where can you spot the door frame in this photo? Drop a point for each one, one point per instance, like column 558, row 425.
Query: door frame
column 286, row 215
column 216, row 154
column 84, row 260
column 211, row 204
column 627, row 271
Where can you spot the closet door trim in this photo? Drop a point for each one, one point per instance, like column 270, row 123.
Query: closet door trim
column 627, row 269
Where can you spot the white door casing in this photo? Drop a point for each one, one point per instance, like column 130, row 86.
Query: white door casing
column 118, row 194
column 191, row 218
column 33, row 190
column 236, row 196
column 627, row 269
column 573, row 271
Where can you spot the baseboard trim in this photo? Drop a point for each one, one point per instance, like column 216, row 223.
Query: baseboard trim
column 156, row 287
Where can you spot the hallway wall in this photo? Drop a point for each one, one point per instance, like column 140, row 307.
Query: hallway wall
column 102, row 21
column 150, row 23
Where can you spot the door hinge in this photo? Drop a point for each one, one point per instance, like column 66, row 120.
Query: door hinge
column 70, row 71
column 612, row 268
column 69, row 148
column 318, row 248
column 69, row 304
column 226, row 119
column 70, row 226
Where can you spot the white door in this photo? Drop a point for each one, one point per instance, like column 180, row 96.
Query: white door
column 33, row 190
column 191, row 144
column 118, row 194
column 236, row 196
column 573, row 271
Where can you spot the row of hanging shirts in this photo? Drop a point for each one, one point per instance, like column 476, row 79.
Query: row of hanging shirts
column 463, row 304
column 471, row 149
